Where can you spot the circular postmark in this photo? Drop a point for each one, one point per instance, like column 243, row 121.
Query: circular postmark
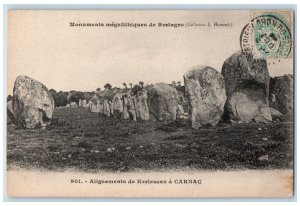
column 266, row 36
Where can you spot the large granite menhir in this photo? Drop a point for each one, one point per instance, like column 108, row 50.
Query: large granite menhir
column 247, row 88
column 163, row 101
column 140, row 101
column 33, row 104
column 205, row 88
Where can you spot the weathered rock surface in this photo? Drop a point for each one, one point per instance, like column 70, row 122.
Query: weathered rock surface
column 106, row 108
column 100, row 106
column 90, row 104
column 131, row 108
column 117, row 102
column 10, row 112
column 128, row 107
column 73, row 104
column 283, row 90
column 95, row 108
column 276, row 115
column 163, row 101
column 125, row 113
column 33, row 104
column 134, row 100
column 84, row 104
column 141, row 105
column 205, row 88
column 247, row 88
column 179, row 111
column 111, row 107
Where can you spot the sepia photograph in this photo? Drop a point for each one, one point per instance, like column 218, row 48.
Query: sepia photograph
column 150, row 103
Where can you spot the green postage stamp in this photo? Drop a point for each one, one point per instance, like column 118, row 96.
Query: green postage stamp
column 268, row 35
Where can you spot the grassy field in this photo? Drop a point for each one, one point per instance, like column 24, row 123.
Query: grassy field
column 80, row 140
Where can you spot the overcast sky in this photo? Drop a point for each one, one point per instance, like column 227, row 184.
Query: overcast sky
column 43, row 46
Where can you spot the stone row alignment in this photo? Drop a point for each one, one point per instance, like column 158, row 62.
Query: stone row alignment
column 242, row 92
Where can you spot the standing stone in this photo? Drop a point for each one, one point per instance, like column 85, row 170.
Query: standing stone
column 98, row 106
column 142, row 105
column 205, row 88
column 128, row 107
column 101, row 106
column 125, row 113
column 33, row 104
column 90, row 103
column 131, row 108
column 84, row 104
column 282, row 93
column 117, row 102
column 94, row 108
column 106, row 108
column 247, row 88
column 111, row 107
column 134, row 100
column 163, row 101
column 73, row 104
column 80, row 103
column 68, row 105
column 276, row 115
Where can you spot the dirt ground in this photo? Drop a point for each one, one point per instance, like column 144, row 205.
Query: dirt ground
column 85, row 141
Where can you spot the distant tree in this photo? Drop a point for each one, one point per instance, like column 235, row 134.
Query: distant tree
column 125, row 85
column 76, row 96
column 179, row 83
column 107, row 86
column 60, row 98
column 130, row 85
column 98, row 89
column 141, row 84
column 52, row 91
column 88, row 95
column 9, row 97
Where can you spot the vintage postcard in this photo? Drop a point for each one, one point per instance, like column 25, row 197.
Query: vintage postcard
column 150, row 103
